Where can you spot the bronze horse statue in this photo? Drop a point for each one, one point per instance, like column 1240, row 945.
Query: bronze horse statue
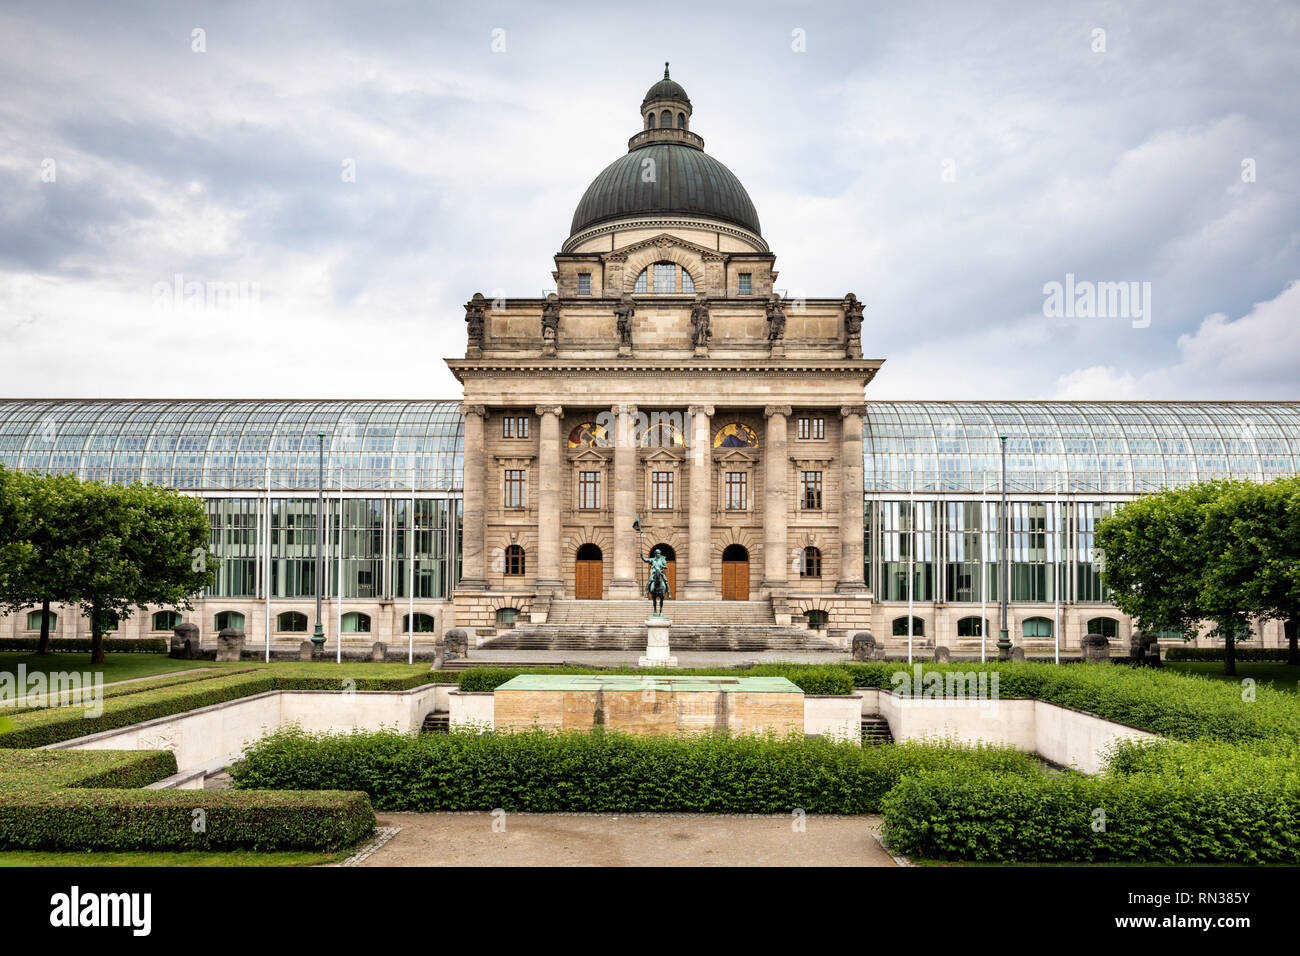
column 656, row 586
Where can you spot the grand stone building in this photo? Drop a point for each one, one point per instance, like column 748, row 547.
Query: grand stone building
column 667, row 384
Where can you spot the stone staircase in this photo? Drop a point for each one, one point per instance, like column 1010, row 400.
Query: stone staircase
column 436, row 722
column 875, row 731
column 696, row 626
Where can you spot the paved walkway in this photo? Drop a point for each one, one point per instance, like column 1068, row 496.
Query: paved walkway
column 660, row 839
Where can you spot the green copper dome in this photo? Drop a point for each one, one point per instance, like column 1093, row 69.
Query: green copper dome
column 666, row 89
column 687, row 182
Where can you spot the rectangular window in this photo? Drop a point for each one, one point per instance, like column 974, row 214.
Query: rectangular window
column 812, row 429
column 818, row 429
column 745, row 283
column 515, row 490
column 584, row 283
column 811, row 485
column 661, row 490
column 512, row 427
column 665, row 277
column 804, row 431
column 737, row 491
column 589, row 490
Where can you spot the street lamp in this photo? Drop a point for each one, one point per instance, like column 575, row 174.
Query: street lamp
column 318, row 635
column 1004, row 639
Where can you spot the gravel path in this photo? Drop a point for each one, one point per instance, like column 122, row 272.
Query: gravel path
column 660, row 839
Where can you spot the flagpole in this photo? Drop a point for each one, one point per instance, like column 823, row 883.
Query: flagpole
column 911, row 559
column 410, row 577
column 984, row 571
column 338, row 573
column 266, row 558
column 1056, row 585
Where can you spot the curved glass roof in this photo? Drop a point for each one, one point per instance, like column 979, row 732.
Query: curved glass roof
column 220, row 445
column 1075, row 447
column 1108, row 447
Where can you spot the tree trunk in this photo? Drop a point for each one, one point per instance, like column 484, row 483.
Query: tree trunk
column 1230, row 655
column 43, row 645
column 96, row 636
column 1291, row 628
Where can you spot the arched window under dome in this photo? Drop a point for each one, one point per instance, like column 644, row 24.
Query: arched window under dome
column 664, row 278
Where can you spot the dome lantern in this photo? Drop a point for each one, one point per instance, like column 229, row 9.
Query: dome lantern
column 666, row 105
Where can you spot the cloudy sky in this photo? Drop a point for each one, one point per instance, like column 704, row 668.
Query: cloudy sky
column 358, row 170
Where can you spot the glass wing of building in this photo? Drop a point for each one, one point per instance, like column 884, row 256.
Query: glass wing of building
column 1121, row 448
column 239, row 445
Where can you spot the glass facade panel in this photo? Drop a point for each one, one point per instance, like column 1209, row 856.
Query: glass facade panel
column 907, row 544
column 432, row 561
column 233, row 545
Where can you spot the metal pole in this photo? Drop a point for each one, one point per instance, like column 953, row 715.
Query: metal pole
column 984, row 571
column 1056, row 584
column 410, row 577
column 1004, row 639
column 266, row 557
column 318, row 636
column 338, row 573
column 911, row 560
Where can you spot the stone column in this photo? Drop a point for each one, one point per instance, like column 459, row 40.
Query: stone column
column 473, row 550
column 699, row 583
column 851, row 580
column 550, row 484
column 623, row 583
column 776, row 502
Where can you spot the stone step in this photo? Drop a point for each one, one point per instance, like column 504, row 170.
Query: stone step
column 679, row 612
column 699, row 637
column 875, row 731
column 436, row 722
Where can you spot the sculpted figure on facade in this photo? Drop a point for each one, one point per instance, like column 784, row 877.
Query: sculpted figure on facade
column 550, row 322
column 623, row 313
column 701, row 332
column 853, row 325
column 775, row 320
column 475, row 320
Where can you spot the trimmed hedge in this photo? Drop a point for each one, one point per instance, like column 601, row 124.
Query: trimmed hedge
column 83, row 645
column 47, row 725
column 1148, row 817
column 164, row 820
column 1242, row 654
column 89, row 800
column 603, row 772
column 815, row 679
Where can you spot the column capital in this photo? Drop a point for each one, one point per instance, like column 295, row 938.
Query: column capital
column 782, row 410
column 847, row 410
column 479, row 411
column 556, row 410
column 625, row 410
column 705, row 410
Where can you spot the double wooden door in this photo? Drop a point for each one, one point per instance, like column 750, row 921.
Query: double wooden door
column 588, row 582
column 735, row 580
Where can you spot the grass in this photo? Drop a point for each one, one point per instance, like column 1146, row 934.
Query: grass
column 115, row 667
column 192, row 858
column 1283, row 677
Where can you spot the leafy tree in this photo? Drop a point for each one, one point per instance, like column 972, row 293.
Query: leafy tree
column 42, row 534
column 1255, row 571
column 137, row 545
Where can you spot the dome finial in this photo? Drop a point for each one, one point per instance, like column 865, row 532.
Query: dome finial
column 666, row 69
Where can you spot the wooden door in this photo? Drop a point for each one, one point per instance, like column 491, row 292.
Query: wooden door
column 671, row 571
column 589, row 579
column 735, row 580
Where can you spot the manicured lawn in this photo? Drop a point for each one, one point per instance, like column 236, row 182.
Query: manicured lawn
column 1279, row 676
column 115, row 667
column 233, row 858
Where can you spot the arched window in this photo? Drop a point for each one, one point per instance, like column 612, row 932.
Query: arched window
column 227, row 619
column 34, row 620
column 423, row 623
column 354, row 622
column 111, row 620
column 587, row 435
column 291, row 621
column 1105, row 626
column 817, row 620
column 650, row 121
column 664, row 278
column 735, row 435
column 1036, row 627
column 514, row 560
column 506, row 616
column 662, row 435
column 900, row 627
column 970, row 627
column 811, row 566
column 681, row 121
column 166, row 620
column 666, row 119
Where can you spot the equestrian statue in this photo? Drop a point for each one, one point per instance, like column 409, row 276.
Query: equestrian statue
column 656, row 585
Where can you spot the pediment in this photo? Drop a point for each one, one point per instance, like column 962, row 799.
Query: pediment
column 589, row 455
column 664, row 240
column 737, row 455
column 662, row 454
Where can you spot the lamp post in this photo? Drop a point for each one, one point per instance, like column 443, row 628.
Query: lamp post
column 1004, row 639
column 318, row 635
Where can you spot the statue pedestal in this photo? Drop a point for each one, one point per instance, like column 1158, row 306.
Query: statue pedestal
column 656, row 644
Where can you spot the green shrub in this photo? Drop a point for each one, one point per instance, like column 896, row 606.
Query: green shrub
column 1148, row 817
column 604, row 772
column 80, row 645
column 165, row 820
column 1242, row 654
